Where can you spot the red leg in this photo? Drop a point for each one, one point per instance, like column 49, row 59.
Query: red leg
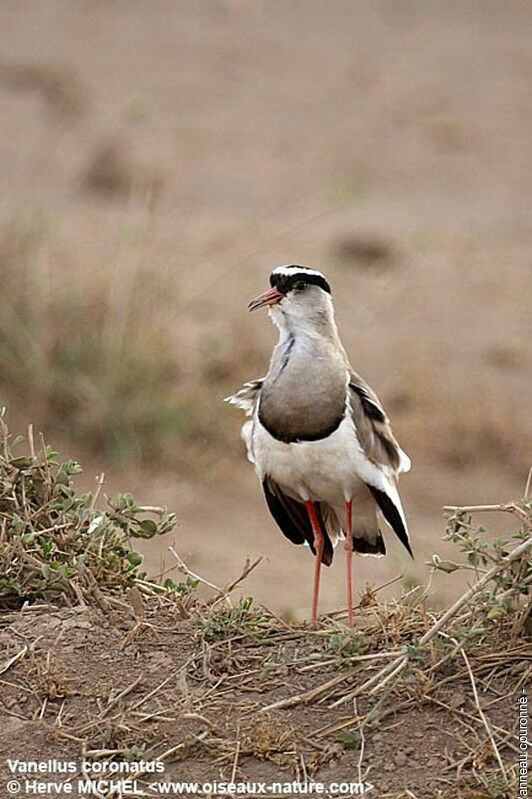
column 348, row 546
column 319, row 542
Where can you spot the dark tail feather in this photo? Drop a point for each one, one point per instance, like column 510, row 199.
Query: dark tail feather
column 365, row 547
column 392, row 516
column 292, row 518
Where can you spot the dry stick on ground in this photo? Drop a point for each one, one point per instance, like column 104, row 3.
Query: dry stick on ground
column 335, row 614
column 221, row 593
column 7, row 665
column 379, row 679
column 224, row 592
column 362, row 744
column 482, row 715
column 461, row 714
column 394, row 668
column 183, row 568
column 484, row 720
column 121, row 695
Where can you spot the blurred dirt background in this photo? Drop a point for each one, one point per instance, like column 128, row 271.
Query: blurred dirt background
column 158, row 159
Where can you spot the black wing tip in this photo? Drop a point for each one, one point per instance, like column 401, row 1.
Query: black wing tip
column 365, row 547
column 392, row 516
column 291, row 518
column 328, row 552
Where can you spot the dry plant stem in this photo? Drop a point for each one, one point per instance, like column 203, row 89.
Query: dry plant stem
column 224, row 592
column 183, row 568
column 308, row 696
column 120, row 696
column 462, row 713
column 199, row 737
column 379, row 679
column 482, row 715
column 509, row 507
column 362, row 743
column 351, row 659
column 99, row 483
column 31, row 441
column 235, row 761
column 152, row 693
column 7, row 665
column 528, row 482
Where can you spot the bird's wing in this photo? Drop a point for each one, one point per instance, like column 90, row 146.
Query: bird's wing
column 246, row 399
column 373, row 428
column 247, row 396
column 380, row 458
column 293, row 520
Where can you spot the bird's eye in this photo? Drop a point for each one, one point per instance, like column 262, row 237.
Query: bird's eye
column 299, row 285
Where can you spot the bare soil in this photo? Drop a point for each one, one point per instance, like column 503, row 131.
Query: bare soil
column 174, row 686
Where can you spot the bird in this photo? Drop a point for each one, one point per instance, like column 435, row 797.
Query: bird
column 318, row 436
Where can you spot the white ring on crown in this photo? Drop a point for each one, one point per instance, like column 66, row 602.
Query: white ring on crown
column 295, row 270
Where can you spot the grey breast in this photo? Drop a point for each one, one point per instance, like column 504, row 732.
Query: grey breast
column 304, row 393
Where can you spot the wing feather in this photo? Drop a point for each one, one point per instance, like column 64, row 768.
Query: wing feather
column 381, row 458
column 292, row 518
column 373, row 427
column 246, row 398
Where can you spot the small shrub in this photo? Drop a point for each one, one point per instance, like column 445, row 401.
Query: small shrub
column 230, row 622
column 56, row 545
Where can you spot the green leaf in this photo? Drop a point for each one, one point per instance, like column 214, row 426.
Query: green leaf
column 22, row 462
column 134, row 558
column 148, row 527
column 66, row 471
column 46, row 544
column 349, row 740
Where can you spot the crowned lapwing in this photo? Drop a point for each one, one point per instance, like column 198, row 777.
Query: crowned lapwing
column 319, row 438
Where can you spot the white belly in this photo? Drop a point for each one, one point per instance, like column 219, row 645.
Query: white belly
column 327, row 470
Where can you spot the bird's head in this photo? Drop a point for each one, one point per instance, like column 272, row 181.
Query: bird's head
column 299, row 297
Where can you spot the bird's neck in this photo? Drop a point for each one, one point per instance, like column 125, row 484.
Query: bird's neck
column 319, row 328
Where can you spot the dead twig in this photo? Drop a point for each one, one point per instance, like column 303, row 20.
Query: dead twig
column 248, row 568
column 380, row 679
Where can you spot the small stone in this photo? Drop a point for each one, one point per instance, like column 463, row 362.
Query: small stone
column 77, row 624
column 456, row 700
column 400, row 759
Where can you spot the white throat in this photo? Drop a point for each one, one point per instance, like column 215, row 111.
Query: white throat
column 295, row 320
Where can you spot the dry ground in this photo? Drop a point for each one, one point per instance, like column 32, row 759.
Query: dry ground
column 166, row 155
column 98, row 662
column 191, row 691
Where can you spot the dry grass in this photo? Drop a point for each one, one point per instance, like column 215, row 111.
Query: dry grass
column 91, row 355
column 237, row 688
